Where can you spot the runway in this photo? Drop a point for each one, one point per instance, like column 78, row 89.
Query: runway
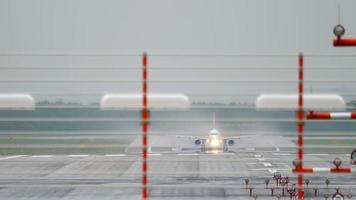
column 172, row 176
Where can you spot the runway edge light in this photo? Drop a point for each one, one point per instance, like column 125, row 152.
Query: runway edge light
column 117, row 101
column 16, row 101
column 313, row 102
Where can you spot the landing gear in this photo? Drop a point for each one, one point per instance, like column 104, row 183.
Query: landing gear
column 203, row 146
column 338, row 195
column 226, row 146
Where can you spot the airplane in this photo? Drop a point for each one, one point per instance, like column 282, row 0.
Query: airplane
column 214, row 141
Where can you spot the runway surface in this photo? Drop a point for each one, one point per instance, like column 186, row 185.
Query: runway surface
column 173, row 175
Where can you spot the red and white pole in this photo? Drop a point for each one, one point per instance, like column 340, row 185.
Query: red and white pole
column 300, row 125
column 145, row 123
column 331, row 115
column 344, row 42
column 326, row 170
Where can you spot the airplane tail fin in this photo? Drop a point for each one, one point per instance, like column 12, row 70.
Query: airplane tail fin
column 213, row 120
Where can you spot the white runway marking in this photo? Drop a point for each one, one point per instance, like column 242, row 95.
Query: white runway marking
column 10, row 157
column 252, row 163
column 115, row 155
column 317, row 154
column 42, row 156
column 228, row 154
column 250, row 149
column 188, row 154
column 281, row 154
column 280, row 163
column 267, row 164
column 321, row 169
column 258, row 156
column 221, row 154
column 261, row 159
column 271, row 170
column 77, row 156
column 154, row 154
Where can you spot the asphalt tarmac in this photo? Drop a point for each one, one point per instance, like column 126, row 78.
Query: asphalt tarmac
column 181, row 173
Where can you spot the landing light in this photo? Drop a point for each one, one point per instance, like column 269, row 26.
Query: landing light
column 215, row 142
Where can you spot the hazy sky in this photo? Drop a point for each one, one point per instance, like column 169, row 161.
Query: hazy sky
column 167, row 26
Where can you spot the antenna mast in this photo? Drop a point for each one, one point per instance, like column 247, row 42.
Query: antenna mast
column 338, row 13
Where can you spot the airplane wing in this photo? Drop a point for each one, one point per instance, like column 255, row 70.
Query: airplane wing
column 189, row 137
column 236, row 137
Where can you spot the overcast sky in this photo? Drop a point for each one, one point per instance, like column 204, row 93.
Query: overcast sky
column 168, row 26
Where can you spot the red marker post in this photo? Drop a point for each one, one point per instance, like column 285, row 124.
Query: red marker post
column 324, row 170
column 145, row 122
column 300, row 126
column 331, row 115
column 344, row 42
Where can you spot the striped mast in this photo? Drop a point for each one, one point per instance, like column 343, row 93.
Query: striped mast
column 145, row 123
column 331, row 115
column 300, row 126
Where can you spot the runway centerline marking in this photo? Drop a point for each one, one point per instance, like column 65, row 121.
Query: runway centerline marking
column 317, row 154
column 227, row 154
column 154, row 154
column 269, row 169
column 261, row 159
column 281, row 154
column 115, row 155
column 267, row 164
column 11, row 157
column 252, row 163
column 77, row 156
column 188, row 154
column 258, row 156
column 42, row 156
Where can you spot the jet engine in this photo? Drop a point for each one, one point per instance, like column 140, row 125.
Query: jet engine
column 231, row 142
column 338, row 196
column 197, row 142
column 353, row 157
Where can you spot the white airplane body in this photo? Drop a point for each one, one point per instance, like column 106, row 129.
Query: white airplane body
column 214, row 141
